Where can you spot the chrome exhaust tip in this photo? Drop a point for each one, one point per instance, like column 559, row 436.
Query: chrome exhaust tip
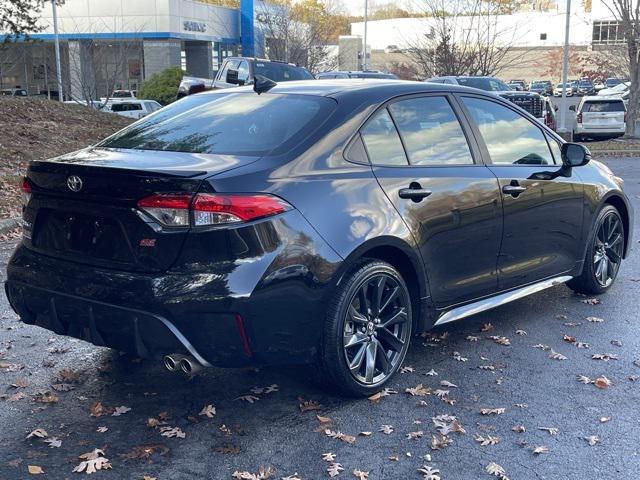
column 172, row 361
column 190, row 366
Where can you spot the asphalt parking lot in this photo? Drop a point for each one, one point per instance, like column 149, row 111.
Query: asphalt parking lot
column 519, row 407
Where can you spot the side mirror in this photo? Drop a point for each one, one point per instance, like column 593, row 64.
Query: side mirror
column 575, row 155
column 572, row 108
column 232, row 77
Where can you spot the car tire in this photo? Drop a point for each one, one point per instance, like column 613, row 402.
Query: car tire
column 367, row 330
column 577, row 138
column 604, row 254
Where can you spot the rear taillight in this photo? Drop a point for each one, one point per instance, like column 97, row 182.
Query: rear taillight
column 579, row 118
column 207, row 209
column 26, row 191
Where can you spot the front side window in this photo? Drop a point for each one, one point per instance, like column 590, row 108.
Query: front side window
column 382, row 142
column 227, row 123
column 510, row 138
column 431, row 132
column 243, row 73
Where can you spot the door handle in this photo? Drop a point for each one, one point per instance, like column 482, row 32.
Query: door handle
column 415, row 194
column 513, row 190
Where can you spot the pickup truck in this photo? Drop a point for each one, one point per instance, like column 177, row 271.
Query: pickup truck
column 238, row 71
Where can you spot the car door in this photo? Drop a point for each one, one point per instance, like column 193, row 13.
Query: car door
column 222, row 80
column 542, row 200
column 428, row 168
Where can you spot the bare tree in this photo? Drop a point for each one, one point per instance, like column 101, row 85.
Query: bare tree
column 299, row 33
column 627, row 12
column 464, row 37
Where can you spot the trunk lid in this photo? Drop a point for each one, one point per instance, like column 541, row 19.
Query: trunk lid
column 83, row 205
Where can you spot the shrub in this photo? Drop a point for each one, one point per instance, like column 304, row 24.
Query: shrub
column 163, row 86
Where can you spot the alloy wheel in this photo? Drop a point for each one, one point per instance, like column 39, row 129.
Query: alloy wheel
column 608, row 249
column 376, row 329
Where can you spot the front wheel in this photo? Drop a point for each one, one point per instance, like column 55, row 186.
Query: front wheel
column 368, row 329
column 604, row 254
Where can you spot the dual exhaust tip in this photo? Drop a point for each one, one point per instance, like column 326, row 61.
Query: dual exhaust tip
column 176, row 362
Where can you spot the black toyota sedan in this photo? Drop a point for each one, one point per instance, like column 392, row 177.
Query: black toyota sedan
column 311, row 222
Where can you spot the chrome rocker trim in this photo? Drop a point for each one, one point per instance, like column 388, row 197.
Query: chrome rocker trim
column 492, row 302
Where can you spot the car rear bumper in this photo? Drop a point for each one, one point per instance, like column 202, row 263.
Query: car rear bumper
column 234, row 315
column 600, row 129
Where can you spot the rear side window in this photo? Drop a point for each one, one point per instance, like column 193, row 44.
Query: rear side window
column 382, row 142
column 510, row 138
column 227, row 123
column 125, row 107
column 431, row 132
column 281, row 72
column 615, row 106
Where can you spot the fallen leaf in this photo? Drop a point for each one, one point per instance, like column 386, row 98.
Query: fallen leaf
column 429, row 473
column 500, row 340
column 418, row 391
column 340, row 436
column 308, row 405
column 172, row 432
column 433, row 373
column 208, row 411
column 35, row 470
column 542, row 347
column 595, row 319
column 360, row 475
column 97, row 409
column 472, row 338
column 62, row 387
column 592, row 440
column 365, row 434
column 495, row 469
column 415, row 435
column 20, row 384
column 295, row 476
column 328, row 457
column 263, row 473
column 486, row 327
column 556, row 356
column 120, row 411
column 101, row 429
column 551, row 430
column 602, row 382
column 39, row 433
column 334, row 469
column 407, row 369
column 604, row 419
column 386, row 429
column 53, row 442
column 492, row 411
column 383, row 393
column 439, row 442
column 445, row 383
column 459, row 358
column 488, row 440
column 540, row 449
column 584, row 379
column 248, row 398
column 45, row 397
column 518, row 428
column 92, row 462
column 521, row 333
column 604, row 356
column 323, row 419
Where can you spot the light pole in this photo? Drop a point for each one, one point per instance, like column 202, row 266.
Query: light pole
column 57, row 48
column 565, row 71
column 364, row 57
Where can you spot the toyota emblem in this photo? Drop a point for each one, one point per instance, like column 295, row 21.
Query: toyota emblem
column 74, row 183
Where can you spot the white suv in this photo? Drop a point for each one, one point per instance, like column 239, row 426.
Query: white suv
column 133, row 108
column 600, row 117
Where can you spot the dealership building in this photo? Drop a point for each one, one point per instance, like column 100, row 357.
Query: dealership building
column 117, row 44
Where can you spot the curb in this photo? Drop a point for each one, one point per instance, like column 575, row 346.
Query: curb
column 9, row 224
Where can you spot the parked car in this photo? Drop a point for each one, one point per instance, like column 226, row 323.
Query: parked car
column 519, row 85
column 531, row 102
column 599, row 118
column 539, row 88
column 238, row 71
column 160, row 239
column 132, row 108
column 392, row 49
column 95, row 104
column 549, row 114
column 598, row 85
column 560, row 88
column 14, row 92
column 356, row 74
column 585, row 87
column 612, row 82
column 128, row 94
column 618, row 89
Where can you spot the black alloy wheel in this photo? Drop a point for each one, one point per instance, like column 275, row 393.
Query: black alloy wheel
column 368, row 329
column 609, row 248
column 604, row 254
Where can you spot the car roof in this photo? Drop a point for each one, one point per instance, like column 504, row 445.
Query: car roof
column 341, row 87
column 601, row 98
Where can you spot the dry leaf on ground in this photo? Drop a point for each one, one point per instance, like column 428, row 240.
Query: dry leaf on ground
column 418, row 391
column 334, row 469
column 429, row 473
column 35, row 470
column 39, row 433
column 92, row 462
column 488, row 440
column 208, row 411
column 492, row 411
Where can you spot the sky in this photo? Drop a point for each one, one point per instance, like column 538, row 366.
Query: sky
column 356, row 7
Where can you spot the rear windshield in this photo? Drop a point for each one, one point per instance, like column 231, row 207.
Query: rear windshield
column 227, row 123
column 612, row 106
column 280, row 72
column 481, row 83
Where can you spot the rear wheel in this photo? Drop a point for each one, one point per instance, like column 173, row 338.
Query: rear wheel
column 368, row 329
column 604, row 254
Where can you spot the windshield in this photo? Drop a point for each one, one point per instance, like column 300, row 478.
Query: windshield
column 281, row 72
column 484, row 83
column 612, row 106
column 233, row 123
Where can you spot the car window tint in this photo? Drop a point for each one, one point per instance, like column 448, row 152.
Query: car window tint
column 510, row 137
column 381, row 139
column 431, row 132
column 615, row 106
column 243, row 72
